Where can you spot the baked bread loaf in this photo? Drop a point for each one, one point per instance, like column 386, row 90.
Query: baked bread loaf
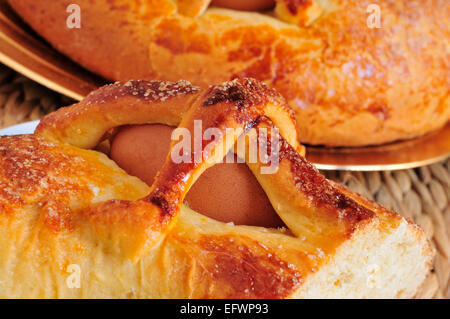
column 63, row 204
column 141, row 150
column 349, row 84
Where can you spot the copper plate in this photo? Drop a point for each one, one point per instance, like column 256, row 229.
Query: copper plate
column 24, row 51
column 421, row 151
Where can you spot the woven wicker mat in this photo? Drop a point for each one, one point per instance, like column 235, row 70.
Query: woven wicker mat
column 423, row 194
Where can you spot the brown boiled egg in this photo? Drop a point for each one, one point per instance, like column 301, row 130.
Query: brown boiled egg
column 248, row 5
column 227, row 192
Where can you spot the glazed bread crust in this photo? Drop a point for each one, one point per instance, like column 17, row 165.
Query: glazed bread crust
column 63, row 205
column 348, row 84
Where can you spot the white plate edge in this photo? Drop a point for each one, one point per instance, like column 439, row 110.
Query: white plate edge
column 22, row 128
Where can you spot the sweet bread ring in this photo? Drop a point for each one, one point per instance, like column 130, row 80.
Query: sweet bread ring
column 141, row 102
column 64, row 206
column 349, row 83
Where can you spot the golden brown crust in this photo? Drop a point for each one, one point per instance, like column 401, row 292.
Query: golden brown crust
column 242, row 268
column 348, row 84
column 192, row 8
column 132, row 102
column 91, row 213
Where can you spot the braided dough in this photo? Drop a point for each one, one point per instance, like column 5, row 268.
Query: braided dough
column 63, row 204
column 348, row 84
column 141, row 150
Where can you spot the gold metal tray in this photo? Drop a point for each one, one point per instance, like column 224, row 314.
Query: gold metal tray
column 421, row 151
column 26, row 52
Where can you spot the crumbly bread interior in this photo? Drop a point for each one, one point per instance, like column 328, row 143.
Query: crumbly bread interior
column 69, row 211
column 387, row 258
column 375, row 264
